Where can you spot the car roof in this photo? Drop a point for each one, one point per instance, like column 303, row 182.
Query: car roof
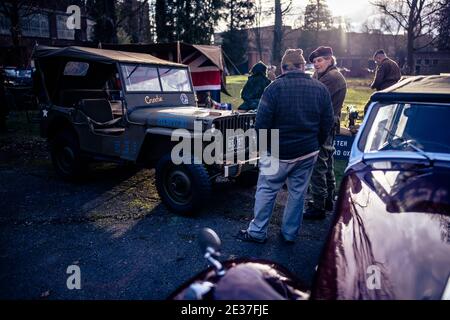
column 100, row 55
column 434, row 88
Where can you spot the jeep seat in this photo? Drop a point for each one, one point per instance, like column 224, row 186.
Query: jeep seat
column 98, row 110
column 100, row 116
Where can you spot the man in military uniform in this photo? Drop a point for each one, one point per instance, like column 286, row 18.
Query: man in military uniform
column 323, row 182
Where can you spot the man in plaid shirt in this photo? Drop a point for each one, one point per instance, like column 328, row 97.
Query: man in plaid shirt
column 300, row 108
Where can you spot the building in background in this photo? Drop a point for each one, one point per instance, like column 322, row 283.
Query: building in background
column 46, row 24
column 432, row 62
column 353, row 50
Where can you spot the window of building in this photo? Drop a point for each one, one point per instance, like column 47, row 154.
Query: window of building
column 435, row 61
column 419, row 61
column 5, row 24
column 62, row 30
column 90, row 29
column 427, row 62
column 35, row 25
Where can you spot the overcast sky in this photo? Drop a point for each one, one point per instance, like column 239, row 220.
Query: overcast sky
column 357, row 11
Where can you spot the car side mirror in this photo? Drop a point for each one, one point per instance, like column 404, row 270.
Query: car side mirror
column 209, row 238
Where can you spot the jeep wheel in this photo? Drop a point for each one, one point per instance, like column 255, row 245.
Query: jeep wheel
column 182, row 188
column 66, row 156
column 248, row 179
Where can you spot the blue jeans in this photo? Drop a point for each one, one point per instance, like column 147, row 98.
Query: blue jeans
column 297, row 176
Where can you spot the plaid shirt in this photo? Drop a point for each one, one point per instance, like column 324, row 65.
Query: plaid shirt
column 300, row 107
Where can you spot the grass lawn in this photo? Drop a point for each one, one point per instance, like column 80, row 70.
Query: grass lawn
column 234, row 87
column 358, row 93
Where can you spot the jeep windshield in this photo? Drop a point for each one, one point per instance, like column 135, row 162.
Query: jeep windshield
column 148, row 78
column 406, row 127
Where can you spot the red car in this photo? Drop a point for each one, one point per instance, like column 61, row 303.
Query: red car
column 390, row 238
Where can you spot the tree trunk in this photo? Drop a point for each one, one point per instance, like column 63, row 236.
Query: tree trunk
column 410, row 52
column 16, row 32
column 410, row 38
column 257, row 31
column 277, row 35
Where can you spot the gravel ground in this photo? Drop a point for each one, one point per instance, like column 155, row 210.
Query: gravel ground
column 114, row 227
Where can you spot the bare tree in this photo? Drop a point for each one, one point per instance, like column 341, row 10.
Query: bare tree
column 278, row 30
column 444, row 27
column 416, row 18
column 17, row 10
column 381, row 25
column 257, row 28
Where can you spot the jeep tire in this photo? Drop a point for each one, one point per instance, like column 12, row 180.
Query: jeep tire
column 66, row 155
column 182, row 188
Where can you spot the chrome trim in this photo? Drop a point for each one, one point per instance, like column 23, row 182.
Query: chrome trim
column 382, row 155
column 446, row 294
column 356, row 155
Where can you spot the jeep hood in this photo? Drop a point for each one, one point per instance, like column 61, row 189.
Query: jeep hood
column 178, row 117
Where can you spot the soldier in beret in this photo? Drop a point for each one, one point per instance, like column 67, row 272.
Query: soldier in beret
column 323, row 182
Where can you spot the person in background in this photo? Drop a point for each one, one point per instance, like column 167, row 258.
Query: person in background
column 253, row 89
column 323, row 182
column 271, row 73
column 387, row 72
column 299, row 107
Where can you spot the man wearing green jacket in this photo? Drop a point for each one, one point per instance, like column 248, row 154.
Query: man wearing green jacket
column 323, row 182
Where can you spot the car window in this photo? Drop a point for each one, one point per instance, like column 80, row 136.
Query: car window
column 141, row 78
column 175, row 80
column 424, row 125
column 74, row 68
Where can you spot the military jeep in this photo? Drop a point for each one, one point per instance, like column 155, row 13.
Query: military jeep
column 123, row 107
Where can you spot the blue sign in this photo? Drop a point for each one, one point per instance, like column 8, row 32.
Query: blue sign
column 343, row 146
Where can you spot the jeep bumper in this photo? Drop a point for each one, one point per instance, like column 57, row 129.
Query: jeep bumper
column 235, row 169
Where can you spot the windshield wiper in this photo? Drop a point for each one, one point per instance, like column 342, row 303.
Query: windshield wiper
column 410, row 144
column 132, row 71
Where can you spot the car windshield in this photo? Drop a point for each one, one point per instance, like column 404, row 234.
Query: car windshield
column 142, row 78
column 175, row 80
column 398, row 126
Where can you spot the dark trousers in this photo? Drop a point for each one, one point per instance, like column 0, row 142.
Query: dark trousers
column 323, row 182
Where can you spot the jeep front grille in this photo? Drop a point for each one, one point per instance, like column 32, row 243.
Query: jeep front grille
column 239, row 142
column 243, row 122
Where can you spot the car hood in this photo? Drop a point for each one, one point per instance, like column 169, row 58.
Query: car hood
column 178, row 117
column 391, row 235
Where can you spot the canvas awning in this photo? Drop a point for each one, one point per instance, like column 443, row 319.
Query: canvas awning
column 174, row 51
